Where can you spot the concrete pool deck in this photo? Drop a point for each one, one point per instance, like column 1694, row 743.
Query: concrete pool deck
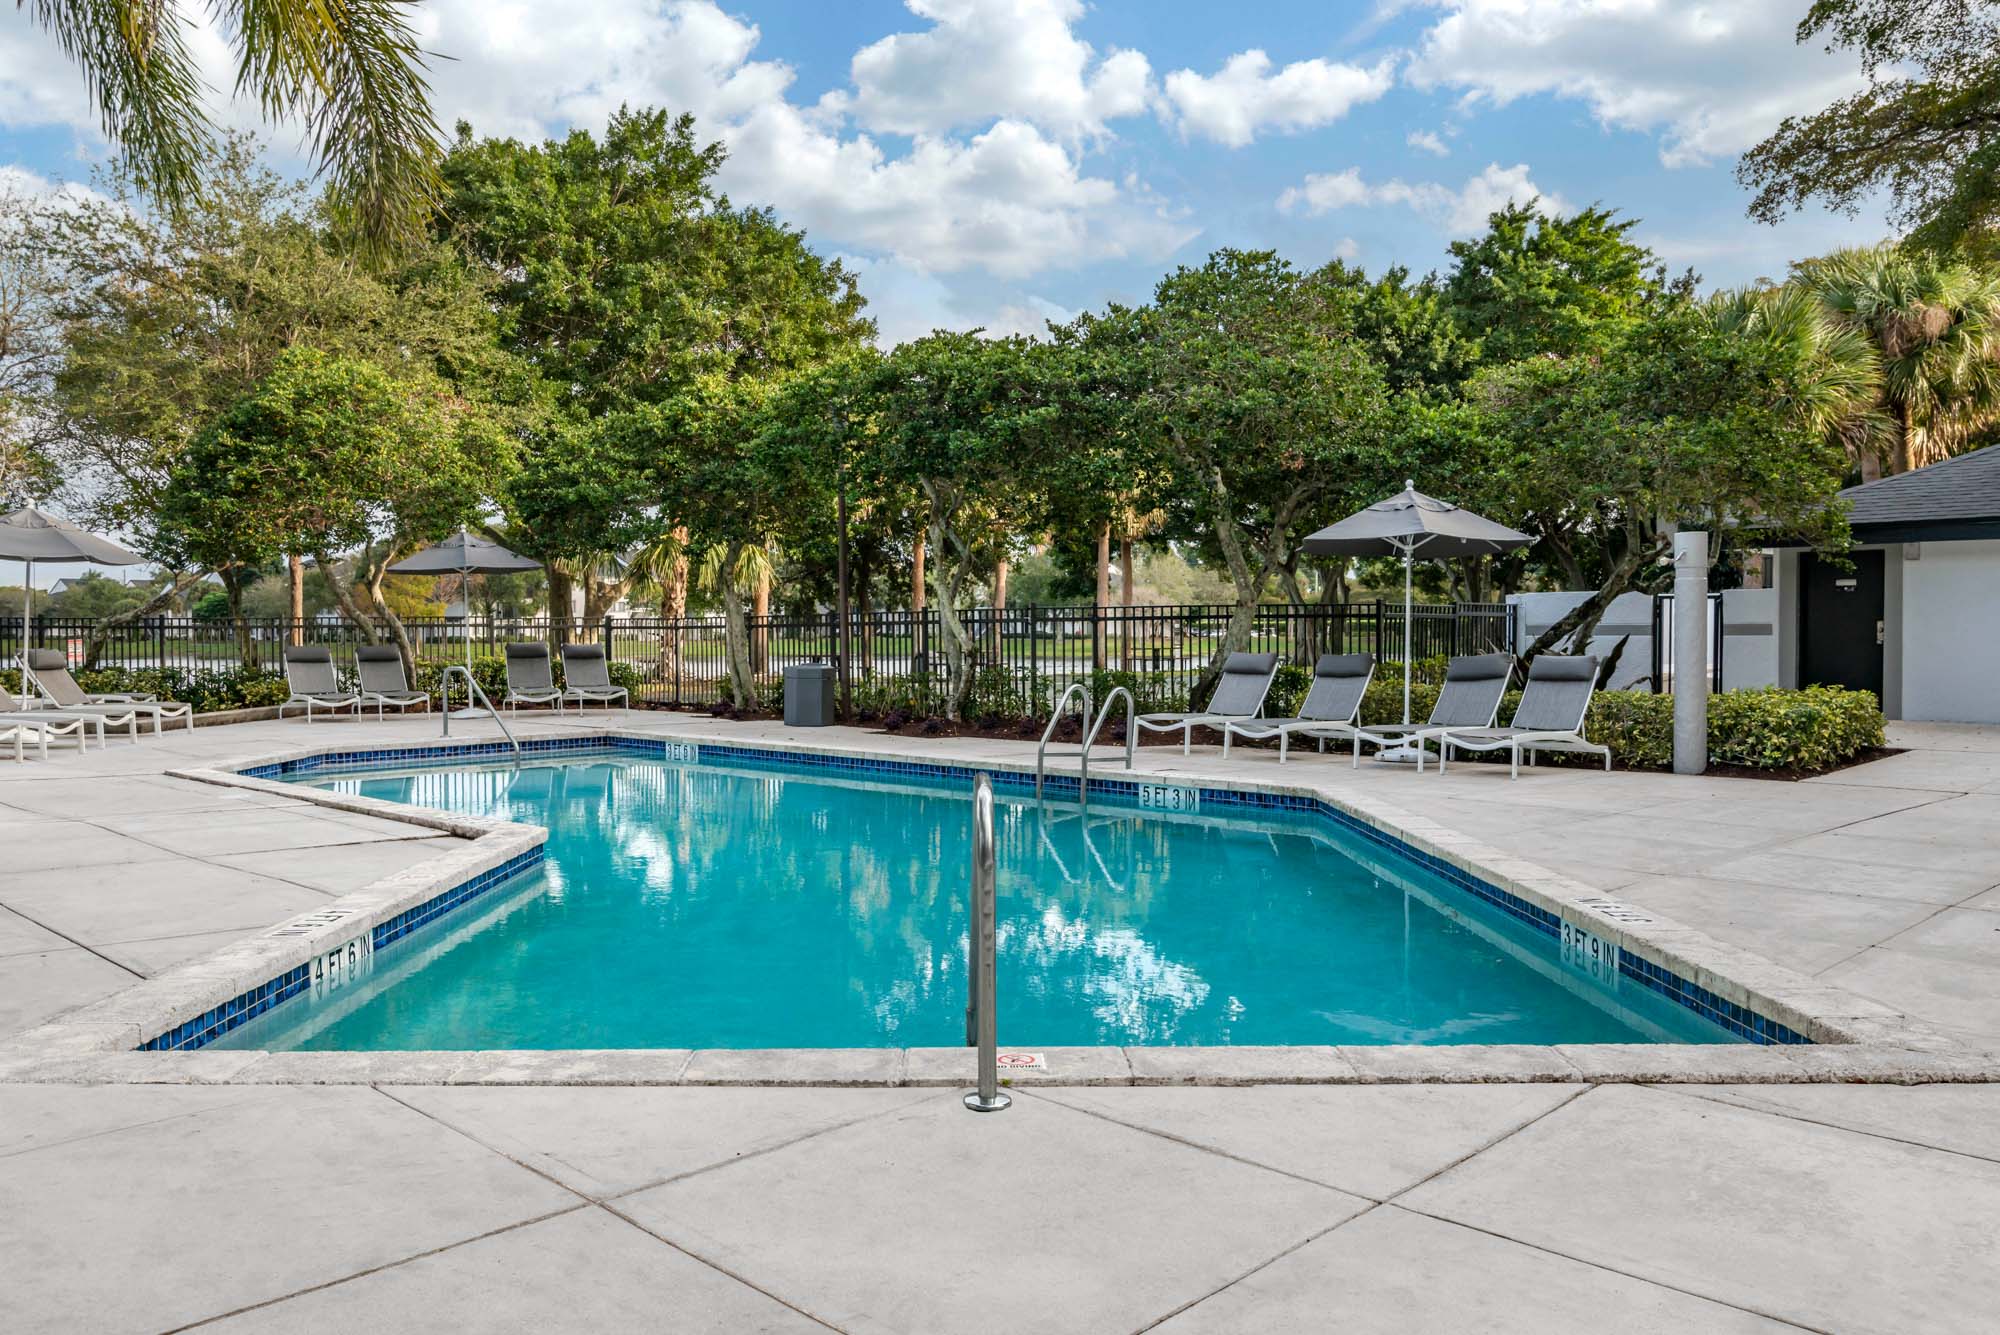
column 1538, row 1207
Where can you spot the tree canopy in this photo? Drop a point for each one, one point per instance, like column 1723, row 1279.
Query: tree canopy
column 1926, row 130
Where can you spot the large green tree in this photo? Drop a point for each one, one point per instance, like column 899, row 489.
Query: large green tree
column 170, row 318
column 628, row 279
column 1537, row 282
column 1269, row 415
column 1926, row 129
column 325, row 454
column 957, row 422
column 1679, row 423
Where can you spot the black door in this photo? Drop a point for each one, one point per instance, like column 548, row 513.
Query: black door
column 1840, row 623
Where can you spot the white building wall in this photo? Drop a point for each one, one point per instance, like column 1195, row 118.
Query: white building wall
column 1950, row 635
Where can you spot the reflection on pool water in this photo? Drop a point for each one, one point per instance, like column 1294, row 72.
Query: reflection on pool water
column 696, row 906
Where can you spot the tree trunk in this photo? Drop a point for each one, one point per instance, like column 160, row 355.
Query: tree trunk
column 673, row 609
column 999, row 605
column 1248, row 585
column 736, row 633
column 1125, row 600
column 1103, row 598
column 948, row 574
column 377, row 572
column 344, row 597
column 760, row 634
column 101, row 631
column 295, row 571
column 919, row 647
column 232, row 589
column 1581, row 620
column 560, row 587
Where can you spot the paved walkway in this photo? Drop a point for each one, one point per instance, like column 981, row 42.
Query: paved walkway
column 1358, row 1208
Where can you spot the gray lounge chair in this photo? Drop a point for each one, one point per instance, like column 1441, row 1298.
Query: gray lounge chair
column 315, row 683
column 587, row 677
column 1554, row 704
column 48, row 669
column 529, row 679
column 1329, row 709
column 1239, row 695
column 87, row 719
column 384, row 684
column 1469, row 699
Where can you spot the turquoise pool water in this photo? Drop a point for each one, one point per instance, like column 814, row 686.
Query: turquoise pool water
column 699, row 906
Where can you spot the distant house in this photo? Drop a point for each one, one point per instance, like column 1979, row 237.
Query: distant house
column 1910, row 613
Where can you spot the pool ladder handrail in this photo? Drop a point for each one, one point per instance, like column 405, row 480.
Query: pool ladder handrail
column 472, row 690
column 981, row 945
column 1090, row 736
column 1055, row 718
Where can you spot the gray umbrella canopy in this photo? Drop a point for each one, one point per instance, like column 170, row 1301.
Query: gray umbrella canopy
column 1411, row 524
column 464, row 554
column 28, row 535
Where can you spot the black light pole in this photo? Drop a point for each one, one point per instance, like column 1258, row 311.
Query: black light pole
column 840, row 597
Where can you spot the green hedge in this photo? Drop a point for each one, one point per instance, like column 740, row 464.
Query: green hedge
column 1810, row 730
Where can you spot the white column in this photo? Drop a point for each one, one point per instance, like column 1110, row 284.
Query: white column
column 1690, row 653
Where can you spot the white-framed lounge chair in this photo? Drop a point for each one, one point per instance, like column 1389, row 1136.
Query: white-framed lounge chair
column 22, row 729
column 587, row 677
column 384, row 684
column 1554, row 704
column 49, row 670
column 529, row 679
column 1329, row 709
column 1469, row 699
column 88, row 720
column 315, row 683
column 1238, row 696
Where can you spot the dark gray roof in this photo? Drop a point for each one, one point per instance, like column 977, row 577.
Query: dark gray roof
column 1958, row 498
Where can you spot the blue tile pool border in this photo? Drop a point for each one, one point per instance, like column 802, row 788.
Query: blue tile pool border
column 1744, row 1022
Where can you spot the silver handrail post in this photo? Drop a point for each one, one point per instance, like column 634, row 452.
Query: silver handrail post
column 982, row 946
column 472, row 691
column 1131, row 732
column 1055, row 718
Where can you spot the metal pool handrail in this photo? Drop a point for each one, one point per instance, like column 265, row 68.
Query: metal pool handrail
column 1041, row 752
column 471, row 690
column 981, row 1024
column 1090, row 735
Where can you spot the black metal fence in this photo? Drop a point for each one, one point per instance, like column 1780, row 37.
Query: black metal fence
column 1030, row 651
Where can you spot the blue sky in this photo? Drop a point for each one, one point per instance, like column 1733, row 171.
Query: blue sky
column 993, row 162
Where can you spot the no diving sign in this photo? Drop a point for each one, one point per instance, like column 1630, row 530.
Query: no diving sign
column 1021, row 1061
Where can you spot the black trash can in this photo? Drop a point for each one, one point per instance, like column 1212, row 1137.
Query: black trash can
column 809, row 689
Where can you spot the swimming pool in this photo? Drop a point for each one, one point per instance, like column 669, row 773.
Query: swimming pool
column 702, row 905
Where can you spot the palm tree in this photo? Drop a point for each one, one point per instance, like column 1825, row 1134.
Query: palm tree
column 1935, row 323
column 1837, row 390
column 349, row 70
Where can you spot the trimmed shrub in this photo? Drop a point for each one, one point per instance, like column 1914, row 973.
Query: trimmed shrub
column 1807, row 731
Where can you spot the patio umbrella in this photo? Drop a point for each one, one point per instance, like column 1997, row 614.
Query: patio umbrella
column 28, row 536
column 1405, row 525
column 465, row 555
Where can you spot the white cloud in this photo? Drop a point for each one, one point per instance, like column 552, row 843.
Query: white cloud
column 1428, row 142
column 1244, row 97
column 988, row 58
column 1710, row 79
column 1462, row 212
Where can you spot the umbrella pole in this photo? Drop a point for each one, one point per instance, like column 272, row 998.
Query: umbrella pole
column 1409, row 556
column 465, row 613
column 27, row 617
